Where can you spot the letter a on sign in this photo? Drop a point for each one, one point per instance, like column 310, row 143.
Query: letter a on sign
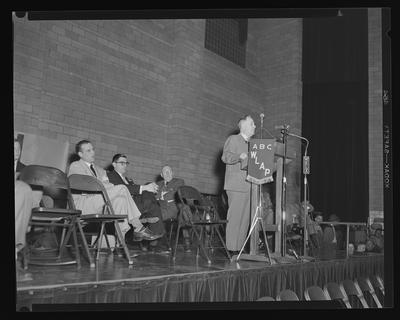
column 260, row 167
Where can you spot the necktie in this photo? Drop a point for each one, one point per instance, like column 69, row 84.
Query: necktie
column 92, row 168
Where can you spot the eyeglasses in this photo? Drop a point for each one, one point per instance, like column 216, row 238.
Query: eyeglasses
column 123, row 163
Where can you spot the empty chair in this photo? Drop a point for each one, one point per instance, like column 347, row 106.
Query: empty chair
column 266, row 298
column 88, row 184
column 287, row 295
column 377, row 282
column 355, row 294
column 201, row 218
column 315, row 293
column 368, row 292
column 59, row 212
column 336, row 292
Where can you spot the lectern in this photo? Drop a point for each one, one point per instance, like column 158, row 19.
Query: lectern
column 279, row 225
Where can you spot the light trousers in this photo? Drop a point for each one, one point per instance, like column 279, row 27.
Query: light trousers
column 121, row 200
column 238, row 219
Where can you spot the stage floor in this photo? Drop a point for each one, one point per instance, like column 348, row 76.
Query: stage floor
column 62, row 284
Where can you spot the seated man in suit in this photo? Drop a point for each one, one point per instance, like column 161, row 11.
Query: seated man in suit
column 143, row 195
column 18, row 165
column 119, row 195
column 25, row 200
column 167, row 197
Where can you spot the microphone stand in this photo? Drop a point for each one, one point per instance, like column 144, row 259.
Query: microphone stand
column 306, row 171
column 284, row 132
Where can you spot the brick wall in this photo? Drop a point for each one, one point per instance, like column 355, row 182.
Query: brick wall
column 149, row 88
column 100, row 80
column 375, row 112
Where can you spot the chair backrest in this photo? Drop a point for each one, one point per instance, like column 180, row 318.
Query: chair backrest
column 336, row 292
column 315, row 293
column 377, row 282
column 287, row 295
column 43, row 176
column 266, row 298
column 53, row 182
column 81, row 183
column 352, row 289
column 189, row 195
column 367, row 288
column 201, row 208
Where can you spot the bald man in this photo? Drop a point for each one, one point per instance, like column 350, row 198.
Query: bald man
column 167, row 197
column 236, row 186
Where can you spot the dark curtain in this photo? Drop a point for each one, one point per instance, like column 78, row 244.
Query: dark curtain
column 335, row 113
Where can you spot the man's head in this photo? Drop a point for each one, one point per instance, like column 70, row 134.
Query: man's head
column 120, row 163
column 17, row 150
column 166, row 173
column 85, row 150
column 318, row 218
column 247, row 126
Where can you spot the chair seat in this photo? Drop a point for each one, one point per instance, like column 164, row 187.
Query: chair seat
column 54, row 211
column 53, row 214
column 104, row 217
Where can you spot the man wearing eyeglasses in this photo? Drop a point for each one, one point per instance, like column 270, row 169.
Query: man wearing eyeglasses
column 144, row 197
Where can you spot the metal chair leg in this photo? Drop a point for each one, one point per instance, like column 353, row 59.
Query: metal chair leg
column 223, row 243
column 85, row 245
column 176, row 240
column 77, row 255
column 122, row 241
column 201, row 244
column 100, row 241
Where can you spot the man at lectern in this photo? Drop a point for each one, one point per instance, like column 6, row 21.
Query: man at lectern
column 236, row 186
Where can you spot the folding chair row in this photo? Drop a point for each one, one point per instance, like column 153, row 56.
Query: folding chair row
column 353, row 294
column 63, row 214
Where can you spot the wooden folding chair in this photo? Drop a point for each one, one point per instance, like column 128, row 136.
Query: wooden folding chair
column 336, row 292
column 62, row 213
column 377, row 283
column 88, row 184
column 287, row 295
column 201, row 218
column 368, row 290
column 315, row 293
column 353, row 291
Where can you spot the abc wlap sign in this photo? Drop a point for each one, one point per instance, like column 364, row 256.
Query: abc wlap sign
column 261, row 160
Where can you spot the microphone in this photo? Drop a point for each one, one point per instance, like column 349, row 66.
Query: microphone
column 262, row 116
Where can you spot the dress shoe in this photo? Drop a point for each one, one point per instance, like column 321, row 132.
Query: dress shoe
column 145, row 234
column 149, row 220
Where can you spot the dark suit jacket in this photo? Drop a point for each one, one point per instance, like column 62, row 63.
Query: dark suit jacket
column 116, row 179
column 146, row 202
column 168, row 205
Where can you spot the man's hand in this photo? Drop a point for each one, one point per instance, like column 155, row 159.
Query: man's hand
column 243, row 156
column 151, row 187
